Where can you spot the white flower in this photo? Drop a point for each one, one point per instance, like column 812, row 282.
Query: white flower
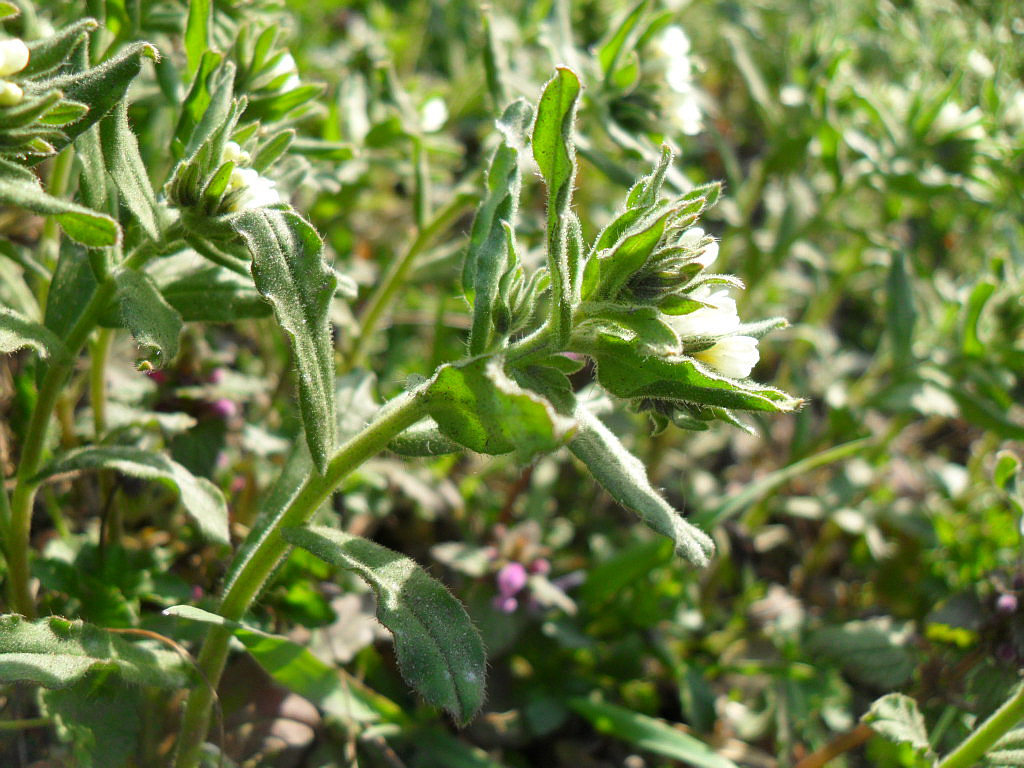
column 980, row 64
column 10, row 94
column 286, row 65
column 952, row 120
column 234, row 154
column 1014, row 115
column 13, row 56
column 732, row 356
column 691, row 239
column 718, row 318
column 257, row 191
column 433, row 115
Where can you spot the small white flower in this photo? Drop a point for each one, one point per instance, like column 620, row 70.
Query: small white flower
column 674, row 45
column 257, row 191
column 433, row 115
column 980, row 64
column 13, row 56
column 1014, row 115
column 10, row 94
column 286, row 65
column 691, row 239
column 234, row 154
column 952, row 120
column 732, row 356
column 718, row 318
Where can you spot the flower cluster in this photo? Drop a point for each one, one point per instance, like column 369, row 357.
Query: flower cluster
column 13, row 58
column 674, row 46
column 253, row 190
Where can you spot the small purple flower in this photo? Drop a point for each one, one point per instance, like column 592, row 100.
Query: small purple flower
column 216, row 376
column 1006, row 604
column 511, row 579
column 506, row 604
column 224, row 408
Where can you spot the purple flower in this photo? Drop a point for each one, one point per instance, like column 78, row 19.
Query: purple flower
column 223, row 408
column 541, row 566
column 216, row 376
column 511, row 579
column 506, row 604
column 1006, row 604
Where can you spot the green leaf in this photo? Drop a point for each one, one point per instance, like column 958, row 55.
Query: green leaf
column 631, row 252
column 209, row 96
column 290, row 272
column 871, row 651
column 650, row 734
column 623, row 475
column 627, row 372
column 201, row 498
column 901, row 313
column 982, row 291
column 56, row 653
column 48, row 53
column 18, row 332
column 1008, row 751
column 125, row 166
column 555, row 153
column 152, row 321
column 20, row 187
column 477, row 405
column 423, row 439
column 439, row 650
column 1007, row 468
column 296, row 668
column 487, row 256
column 102, row 86
column 214, row 295
column 198, row 26
column 897, row 718
column 100, row 718
column 621, row 39
column 8, row 10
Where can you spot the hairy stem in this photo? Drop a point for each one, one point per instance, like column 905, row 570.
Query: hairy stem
column 263, row 559
column 99, row 355
column 1004, row 719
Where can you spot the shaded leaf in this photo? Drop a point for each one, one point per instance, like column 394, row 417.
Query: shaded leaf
column 125, row 166
column 56, row 653
column 439, row 650
column 152, row 321
column 201, row 498
column 18, row 332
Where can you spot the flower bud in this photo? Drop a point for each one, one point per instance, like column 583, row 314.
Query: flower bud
column 13, row 57
column 224, row 408
column 234, row 154
column 511, row 579
column 1007, row 604
column 506, row 604
column 10, row 94
column 732, row 356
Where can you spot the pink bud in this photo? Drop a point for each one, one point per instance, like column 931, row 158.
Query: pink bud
column 216, row 376
column 511, row 579
column 156, row 375
column 223, row 408
column 1006, row 604
column 541, row 566
column 506, row 604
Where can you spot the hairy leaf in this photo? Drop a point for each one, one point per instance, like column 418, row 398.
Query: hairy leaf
column 56, row 653
column 555, row 153
column 439, row 650
column 18, row 332
column 198, row 28
column 100, row 718
column 153, row 322
column 201, row 498
column 20, row 187
column 125, row 166
column 290, row 272
column 624, row 477
column 897, row 718
column 214, row 295
column 478, row 406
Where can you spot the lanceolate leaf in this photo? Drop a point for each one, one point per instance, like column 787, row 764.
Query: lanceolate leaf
column 201, row 498
column 215, row 295
column 17, row 332
column 197, row 31
column 48, row 53
column 56, row 653
column 554, row 151
column 20, row 187
column 439, row 650
column 124, row 163
column 624, row 477
column 289, row 270
column 102, row 86
column 153, row 322
column 627, row 372
column 478, row 406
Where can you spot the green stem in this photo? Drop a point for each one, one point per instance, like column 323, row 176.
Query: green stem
column 264, row 557
column 370, row 317
column 18, row 525
column 21, row 725
column 99, row 356
column 971, row 749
